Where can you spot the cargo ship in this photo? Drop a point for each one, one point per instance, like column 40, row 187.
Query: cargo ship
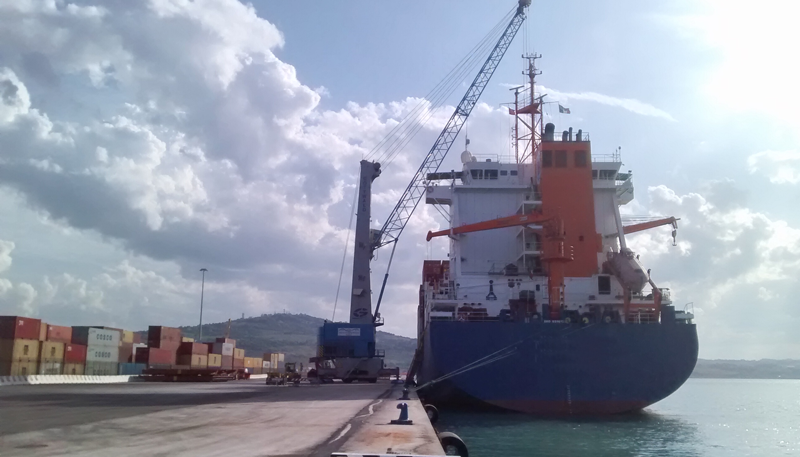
column 541, row 307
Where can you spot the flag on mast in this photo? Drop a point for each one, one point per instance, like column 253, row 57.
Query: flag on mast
column 563, row 110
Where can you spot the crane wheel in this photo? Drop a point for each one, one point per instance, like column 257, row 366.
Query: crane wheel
column 453, row 445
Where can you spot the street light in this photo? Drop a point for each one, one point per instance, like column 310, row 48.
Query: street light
column 202, row 289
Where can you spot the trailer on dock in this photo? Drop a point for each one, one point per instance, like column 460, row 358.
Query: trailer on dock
column 194, row 374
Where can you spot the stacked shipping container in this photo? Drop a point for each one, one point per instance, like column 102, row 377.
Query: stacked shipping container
column 102, row 349
column 30, row 346
column 19, row 345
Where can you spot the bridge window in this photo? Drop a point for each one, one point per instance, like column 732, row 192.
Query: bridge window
column 477, row 174
column 580, row 159
column 490, row 174
column 604, row 285
column 547, row 159
column 561, row 159
column 513, row 172
column 503, row 172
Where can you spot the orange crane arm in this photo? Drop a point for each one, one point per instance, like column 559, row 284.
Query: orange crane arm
column 651, row 224
column 503, row 222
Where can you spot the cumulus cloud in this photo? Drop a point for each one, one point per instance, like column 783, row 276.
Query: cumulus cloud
column 738, row 267
column 173, row 131
column 629, row 104
column 781, row 167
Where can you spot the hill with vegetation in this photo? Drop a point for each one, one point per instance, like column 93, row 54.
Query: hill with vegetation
column 296, row 336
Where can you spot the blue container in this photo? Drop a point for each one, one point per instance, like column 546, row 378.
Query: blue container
column 131, row 369
column 340, row 339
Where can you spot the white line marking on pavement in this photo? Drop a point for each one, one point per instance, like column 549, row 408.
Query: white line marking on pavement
column 344, row 432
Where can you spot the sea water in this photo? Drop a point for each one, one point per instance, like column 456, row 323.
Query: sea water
column 705, row 417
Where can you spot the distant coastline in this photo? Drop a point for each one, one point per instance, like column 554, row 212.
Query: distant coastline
column 748, row 369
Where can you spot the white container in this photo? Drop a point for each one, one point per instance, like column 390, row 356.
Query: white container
column 50, row 367
column 101, row 368
column 265, row 364
column 223, row 349
column 97, row 353
column 102, row 337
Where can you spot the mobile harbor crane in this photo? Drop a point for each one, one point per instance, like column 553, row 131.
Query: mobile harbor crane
column 347, row 351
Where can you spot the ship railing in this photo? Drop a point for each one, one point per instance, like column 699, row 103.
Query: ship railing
column 558, row 137
column 613, row 157
column 496, row 158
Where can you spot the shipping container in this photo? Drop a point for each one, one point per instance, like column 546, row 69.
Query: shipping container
column 266, row 364
column 214, row 360
column 74, row 369
column 19, row 328
column 238, row 353
column 192, row 348
column 95, row 336
column 193, row 360
column 108, row 354
column 225, row 340
column 51, row 350
column 74, row 353
column 42, row 332
column 50, row 366
column 227, row 362
column 225, row 349
column 155, row 356
column 19, row 367
column 136, row 347
column 163, row 337
column 101, row 368
column 125, row 353
column 186, row 339
column 138, row 338
column 19, row 349
column 257, row 370
column 250, row 362
column 59, row 334
column 238, row 363
column 127, row 336
column 131, row 369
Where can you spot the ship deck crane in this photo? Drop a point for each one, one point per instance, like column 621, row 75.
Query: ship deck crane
column 338, row 345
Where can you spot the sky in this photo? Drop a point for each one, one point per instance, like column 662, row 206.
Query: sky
column 143, row 141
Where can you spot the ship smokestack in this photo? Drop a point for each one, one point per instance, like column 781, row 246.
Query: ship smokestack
column 570, row 133
column 549, row 131
column 565, row 135
column 579, row 137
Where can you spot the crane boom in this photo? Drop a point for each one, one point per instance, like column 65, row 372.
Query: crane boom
column 408, row 202
column 650, row 224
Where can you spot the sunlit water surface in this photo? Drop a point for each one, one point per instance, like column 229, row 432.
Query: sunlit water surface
column 706, row 417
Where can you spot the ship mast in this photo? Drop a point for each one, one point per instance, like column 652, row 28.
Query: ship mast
column 534, row 125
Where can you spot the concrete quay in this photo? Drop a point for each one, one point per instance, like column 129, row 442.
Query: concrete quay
column 243, row 418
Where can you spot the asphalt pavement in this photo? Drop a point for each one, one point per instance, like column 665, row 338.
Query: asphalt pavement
column 245, row 418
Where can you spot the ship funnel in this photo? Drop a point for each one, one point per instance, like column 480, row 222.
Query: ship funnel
column 570, row 133
column 579, row 137
column 549, row 131
column 565, row 135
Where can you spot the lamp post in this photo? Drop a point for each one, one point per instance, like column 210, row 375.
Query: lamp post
column 202, row 289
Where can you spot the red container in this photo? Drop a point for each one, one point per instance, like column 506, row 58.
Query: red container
column 59, row 334
column 19, row 328
column 193, row 349
column 226, row 340
column 164, row 337
column 155, row 356
column 74, row 353
column 227, row 361
column 125, row 352
column 237, row 363
column 137, row 338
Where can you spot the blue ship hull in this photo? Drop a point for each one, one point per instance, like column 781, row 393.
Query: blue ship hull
column 555, row 368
